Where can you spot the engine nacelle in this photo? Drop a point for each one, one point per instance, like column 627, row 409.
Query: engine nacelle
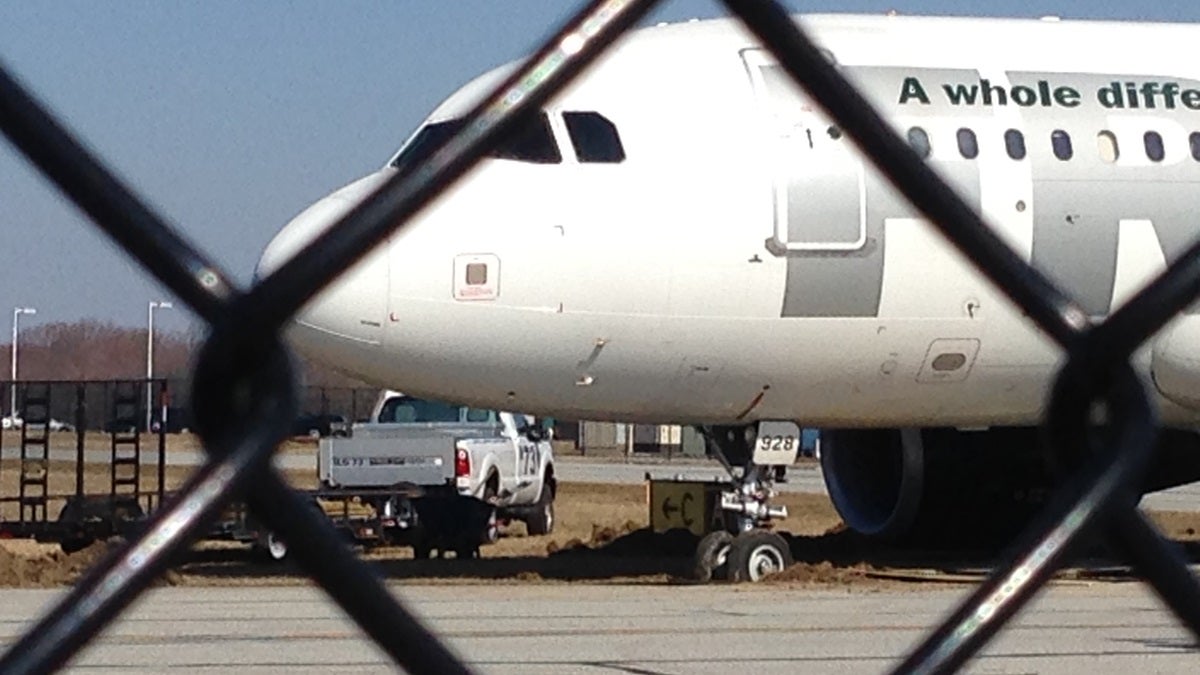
column 1175, row 362
column 938, row 487
column 950, row 488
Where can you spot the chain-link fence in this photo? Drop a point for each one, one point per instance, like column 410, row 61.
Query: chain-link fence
column 244, row 392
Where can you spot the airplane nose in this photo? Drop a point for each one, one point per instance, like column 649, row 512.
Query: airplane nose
column 313, row 221
column 344, row 322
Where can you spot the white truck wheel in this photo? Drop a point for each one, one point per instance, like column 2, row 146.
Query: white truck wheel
column 274, row 546
column 541, row 521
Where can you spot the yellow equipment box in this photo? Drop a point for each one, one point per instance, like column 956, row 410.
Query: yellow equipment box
column 685, row 504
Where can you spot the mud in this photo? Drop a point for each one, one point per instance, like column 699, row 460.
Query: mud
column 601, row 537
column 28, row 565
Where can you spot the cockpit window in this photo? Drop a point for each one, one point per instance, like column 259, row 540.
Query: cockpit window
column 595, row 138
column 428, row 139
column 532, row 141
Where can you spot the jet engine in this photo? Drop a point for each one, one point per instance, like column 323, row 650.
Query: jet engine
column 952, row 488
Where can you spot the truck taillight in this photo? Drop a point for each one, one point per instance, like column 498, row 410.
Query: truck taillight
column 462, row 462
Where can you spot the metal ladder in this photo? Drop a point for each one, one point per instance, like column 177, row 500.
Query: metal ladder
column 126, row 441
column 35, row 450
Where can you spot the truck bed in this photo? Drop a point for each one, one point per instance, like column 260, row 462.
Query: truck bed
column 381, row 455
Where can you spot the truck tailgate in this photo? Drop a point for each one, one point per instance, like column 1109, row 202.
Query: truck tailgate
column 418, row 457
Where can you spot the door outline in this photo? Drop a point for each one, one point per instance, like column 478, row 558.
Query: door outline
column 782, row 134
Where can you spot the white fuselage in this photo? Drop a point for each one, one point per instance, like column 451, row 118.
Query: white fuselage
column 744, row 262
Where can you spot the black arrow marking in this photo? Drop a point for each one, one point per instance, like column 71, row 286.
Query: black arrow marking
column 687, row 499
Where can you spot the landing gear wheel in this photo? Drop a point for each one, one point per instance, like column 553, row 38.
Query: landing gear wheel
column 712, row 557
column 541, row 521
column 755, row 554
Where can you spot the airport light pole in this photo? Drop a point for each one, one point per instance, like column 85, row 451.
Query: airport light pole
column 150, row 357
column 17, row 312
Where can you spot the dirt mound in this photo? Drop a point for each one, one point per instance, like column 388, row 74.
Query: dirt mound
column 28, row 564
column 629, row 540
column 44, row 566
column 822, row 573
column 838, row 556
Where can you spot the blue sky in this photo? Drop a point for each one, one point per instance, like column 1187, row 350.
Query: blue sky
column 230, row 117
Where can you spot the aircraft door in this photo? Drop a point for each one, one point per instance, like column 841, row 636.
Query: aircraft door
column 817, row 180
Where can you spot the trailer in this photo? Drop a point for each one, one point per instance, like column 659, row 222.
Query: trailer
column 429, row 521
column 63, row 484
column 46, row 490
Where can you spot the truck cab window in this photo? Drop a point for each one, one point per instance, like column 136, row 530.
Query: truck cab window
column 594, row 137
column 531, row 141
column 410, row 410
column 477, row 415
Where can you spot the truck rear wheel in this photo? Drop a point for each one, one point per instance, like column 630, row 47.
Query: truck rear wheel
column 541, row 521
column 272, row 546
column 421, row 550
column 491, row 531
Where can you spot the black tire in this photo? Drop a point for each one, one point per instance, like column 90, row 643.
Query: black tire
column 712, row 557
column 757, row 553
column 421, row 551
column 541, row 520
column 273, row 547
column 491, row 532
column 75, row 543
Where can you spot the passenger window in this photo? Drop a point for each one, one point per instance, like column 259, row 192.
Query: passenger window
column 1194, row 141
column 968, row 144
column 595, row 138
column 1014, row 142
column 1061, row 142
column 1106, row 143
column 919, row 140
column 1154, row 146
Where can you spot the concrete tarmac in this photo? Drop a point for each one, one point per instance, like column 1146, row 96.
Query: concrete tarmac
column 1114, row 628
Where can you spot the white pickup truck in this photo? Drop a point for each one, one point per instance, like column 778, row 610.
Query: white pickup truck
column 436, row 450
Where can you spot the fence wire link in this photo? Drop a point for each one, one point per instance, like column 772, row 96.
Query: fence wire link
column 245, row 393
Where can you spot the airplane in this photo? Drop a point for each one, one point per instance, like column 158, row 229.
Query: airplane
column 682, row 236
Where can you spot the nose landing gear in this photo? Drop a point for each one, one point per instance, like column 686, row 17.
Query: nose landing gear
column 745, row 548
